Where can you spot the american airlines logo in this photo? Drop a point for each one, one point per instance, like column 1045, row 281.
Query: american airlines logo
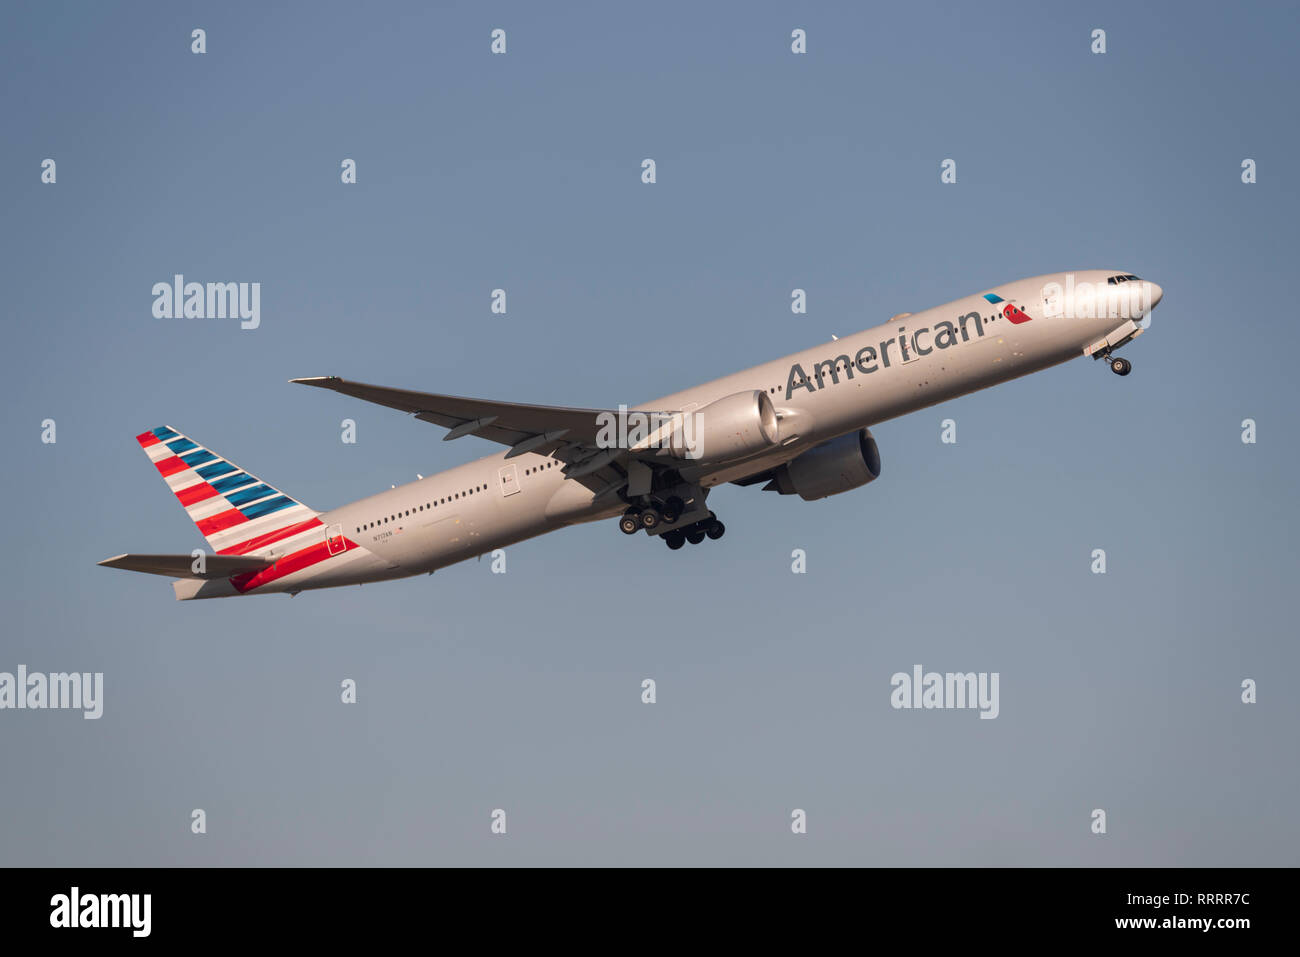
column 1010, row 311
column 906, row 347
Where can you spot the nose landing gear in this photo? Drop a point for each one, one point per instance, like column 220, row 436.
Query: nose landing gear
column 1121, row 366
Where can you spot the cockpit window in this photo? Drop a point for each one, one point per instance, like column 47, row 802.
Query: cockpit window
column 1116, row 280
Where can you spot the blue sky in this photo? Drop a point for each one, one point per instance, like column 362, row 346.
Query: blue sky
column 775, row 171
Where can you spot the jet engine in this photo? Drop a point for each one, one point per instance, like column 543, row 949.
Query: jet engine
column 839, row 465
column 729, row 428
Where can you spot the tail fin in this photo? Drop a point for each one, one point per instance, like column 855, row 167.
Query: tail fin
column 235, row 511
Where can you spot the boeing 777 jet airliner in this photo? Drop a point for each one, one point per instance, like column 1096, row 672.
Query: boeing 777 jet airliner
column 800, row 425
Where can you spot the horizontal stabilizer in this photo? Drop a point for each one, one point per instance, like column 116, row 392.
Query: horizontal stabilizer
column 182, row 566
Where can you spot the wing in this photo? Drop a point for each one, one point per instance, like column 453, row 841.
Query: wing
column 509, row 423
column 568, row 434
column 182, row 566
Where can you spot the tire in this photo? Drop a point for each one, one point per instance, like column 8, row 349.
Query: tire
column 672, row 509
column 630, row 523
column 715, row 530
column 674, row 540
column 650, row 519
column 694, row 536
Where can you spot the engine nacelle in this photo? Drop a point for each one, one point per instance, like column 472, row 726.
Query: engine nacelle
column 730, row 428
column 839, row 465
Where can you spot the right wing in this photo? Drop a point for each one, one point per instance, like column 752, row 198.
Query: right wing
column 182, row 566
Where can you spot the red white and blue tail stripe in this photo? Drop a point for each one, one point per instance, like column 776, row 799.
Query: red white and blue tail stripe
column 236, row 512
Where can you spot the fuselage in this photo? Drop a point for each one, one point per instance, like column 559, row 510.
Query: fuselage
column 911, row 362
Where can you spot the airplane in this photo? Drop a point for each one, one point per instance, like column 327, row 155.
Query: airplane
column 800, row 425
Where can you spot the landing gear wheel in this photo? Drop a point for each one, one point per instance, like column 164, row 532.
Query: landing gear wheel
column 715, row 530
column 672, row 509
column 695, row 536
column 630, row 523
column 650, row 519
column 674, row 540
column 1121, row 366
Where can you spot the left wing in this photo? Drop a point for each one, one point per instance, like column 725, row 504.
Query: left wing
column 568, row 434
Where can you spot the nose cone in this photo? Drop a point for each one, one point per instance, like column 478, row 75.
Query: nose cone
column 1146, row 302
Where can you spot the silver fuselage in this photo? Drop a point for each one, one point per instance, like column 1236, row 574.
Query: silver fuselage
column 438, row 521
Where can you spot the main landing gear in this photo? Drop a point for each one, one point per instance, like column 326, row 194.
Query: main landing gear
column 651, row 517
column 666, row 513
column 709, row 528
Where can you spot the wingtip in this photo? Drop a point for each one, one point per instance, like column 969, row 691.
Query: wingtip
column 319, row 380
